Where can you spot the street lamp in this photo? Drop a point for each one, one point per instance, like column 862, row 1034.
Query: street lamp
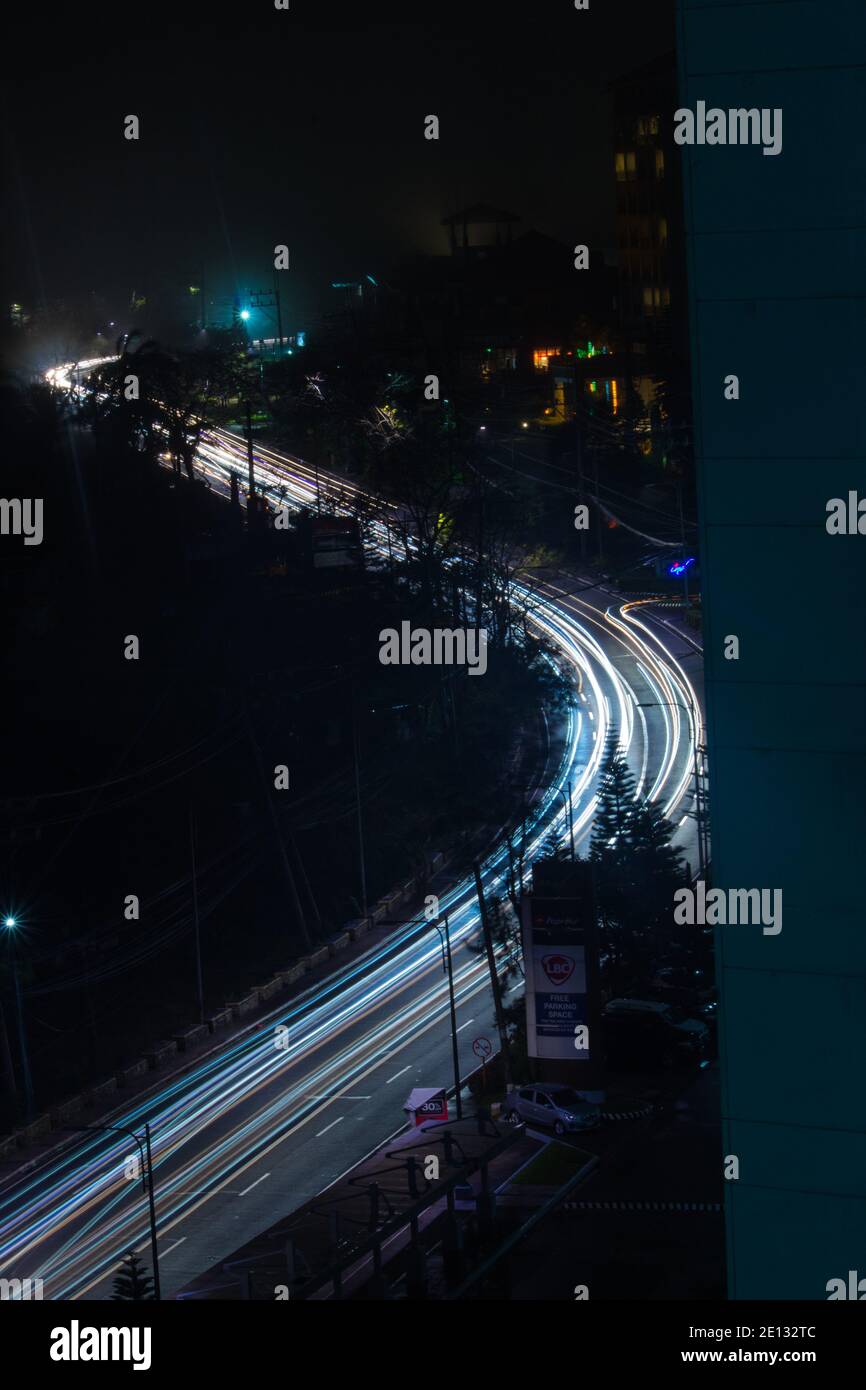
column 146, row 1178
column 10, row 923
column 447, row 967
column 696, row 750
column 567, row 803
column 445, row 943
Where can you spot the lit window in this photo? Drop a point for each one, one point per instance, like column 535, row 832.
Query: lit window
column 619, row 166
column 663, row 231
column 653, row 124
column 660, row 164
column 631, row 164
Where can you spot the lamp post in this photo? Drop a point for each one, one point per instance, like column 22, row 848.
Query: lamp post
column 697, row 749
column 566, row 796
column 447, row 967
column 10, row 924
column 146, row 1157
column 445, row 943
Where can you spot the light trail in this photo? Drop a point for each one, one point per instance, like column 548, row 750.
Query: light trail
column 75, row 1215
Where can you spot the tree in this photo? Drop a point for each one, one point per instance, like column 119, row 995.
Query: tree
column 615, row 811
column 132, row 1283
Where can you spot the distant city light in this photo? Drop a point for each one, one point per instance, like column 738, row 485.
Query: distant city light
column 245, row 313
column 10, row 922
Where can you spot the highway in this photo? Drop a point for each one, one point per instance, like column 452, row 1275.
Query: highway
column 266, row 1120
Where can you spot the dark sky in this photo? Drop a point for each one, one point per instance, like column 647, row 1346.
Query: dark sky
column 305, row 127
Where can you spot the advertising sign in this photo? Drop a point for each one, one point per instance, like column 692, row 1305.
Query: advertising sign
column 556, row 939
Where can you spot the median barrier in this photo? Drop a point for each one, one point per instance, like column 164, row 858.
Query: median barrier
column 131, row 1073
column 160, row 1052
column 101, row 1090
column 188, row 1037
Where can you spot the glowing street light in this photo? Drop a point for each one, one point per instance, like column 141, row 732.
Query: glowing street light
column 245, row 313
column 10, row 922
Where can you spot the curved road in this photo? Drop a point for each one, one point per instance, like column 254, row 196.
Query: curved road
column 267, row 1120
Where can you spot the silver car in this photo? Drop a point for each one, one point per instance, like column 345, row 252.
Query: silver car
column 553, row 1104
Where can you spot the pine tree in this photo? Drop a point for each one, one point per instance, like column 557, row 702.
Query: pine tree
column 616, row 806
column 656, row 867
column 132, row 1282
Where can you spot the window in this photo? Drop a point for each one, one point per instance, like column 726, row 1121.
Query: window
column 660, row 164
column 663, row 231
column 625, row 165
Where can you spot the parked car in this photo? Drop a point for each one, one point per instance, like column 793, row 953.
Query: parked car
column 649, row 1032
column 553, row 1104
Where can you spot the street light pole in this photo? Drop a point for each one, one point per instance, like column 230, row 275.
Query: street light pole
column 447, row 966
column 10, row 924
column 145, row 1154
column 696, row 773
column 566, row 798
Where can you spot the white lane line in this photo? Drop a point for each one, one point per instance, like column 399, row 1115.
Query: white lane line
column 465, row 1025
column 394, row 1077
column 335, row 1095
column 245, row 1190
column 330, row 1126
column 163, row 1253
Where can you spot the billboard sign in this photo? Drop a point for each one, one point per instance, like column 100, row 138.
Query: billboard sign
column 555, row 943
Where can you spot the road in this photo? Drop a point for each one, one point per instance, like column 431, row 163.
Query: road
column 267, row 1120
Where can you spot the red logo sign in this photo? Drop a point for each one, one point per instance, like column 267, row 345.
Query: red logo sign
column 557, row 968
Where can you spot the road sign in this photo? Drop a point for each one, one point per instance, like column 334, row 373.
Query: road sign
column 483, row 1048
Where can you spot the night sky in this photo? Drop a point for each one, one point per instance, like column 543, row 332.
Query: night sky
column 305, row 127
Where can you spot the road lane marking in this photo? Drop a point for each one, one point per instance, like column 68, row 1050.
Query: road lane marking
column 465, row 1025
column 244, row 1192
column 335, row 1095
column 396, row 1074
column 330, row 1126
column 163, row 1253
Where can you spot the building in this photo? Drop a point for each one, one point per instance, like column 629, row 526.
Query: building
column 777, row 259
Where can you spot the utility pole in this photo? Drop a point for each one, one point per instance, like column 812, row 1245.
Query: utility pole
column 362, row 856
column 251, row 501
column 581, row 491
column 287, row 868
column 195, row 915
column 279, row 312
column 598, row 512
column 494, row 978
column 683, row 543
